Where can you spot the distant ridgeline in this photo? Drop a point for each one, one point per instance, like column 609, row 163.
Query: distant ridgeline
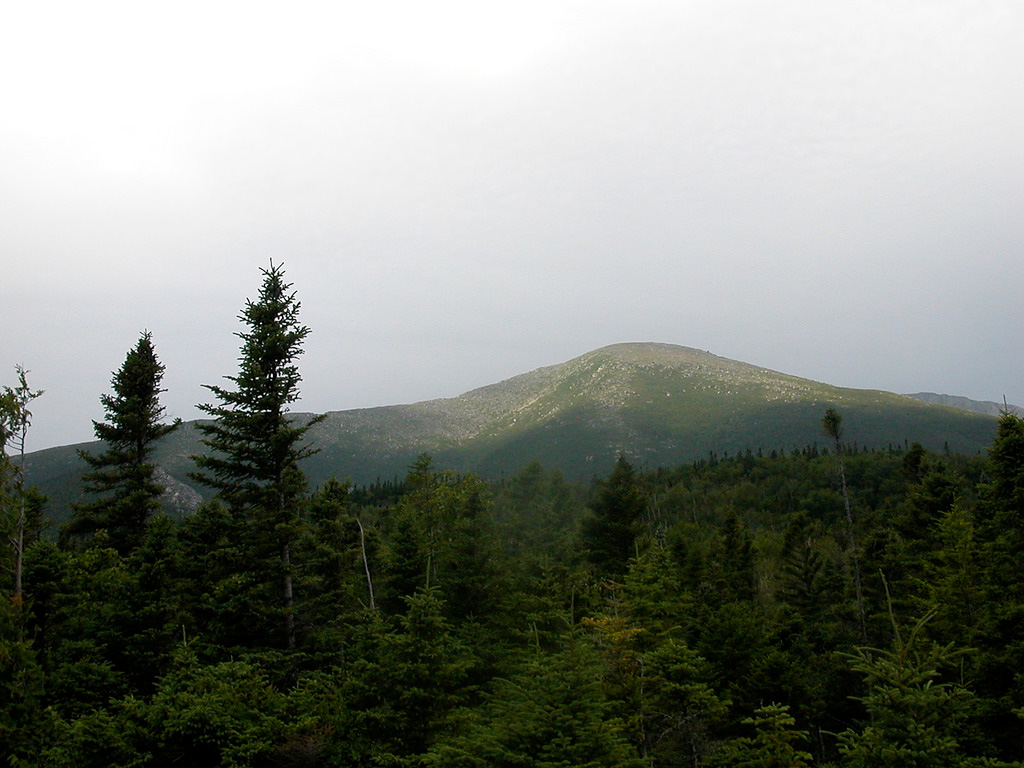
column 987, row 407
column 658, row 404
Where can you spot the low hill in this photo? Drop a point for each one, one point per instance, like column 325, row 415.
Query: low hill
column 660, row 404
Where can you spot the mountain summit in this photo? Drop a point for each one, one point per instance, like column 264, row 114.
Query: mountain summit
column 659, row 404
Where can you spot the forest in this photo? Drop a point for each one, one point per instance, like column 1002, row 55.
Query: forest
column 828, row 606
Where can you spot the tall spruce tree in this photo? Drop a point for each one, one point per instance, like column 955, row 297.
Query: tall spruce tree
column 122, row 476
column 255, row 447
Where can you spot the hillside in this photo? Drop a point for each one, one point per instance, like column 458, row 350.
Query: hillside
column 660, row 404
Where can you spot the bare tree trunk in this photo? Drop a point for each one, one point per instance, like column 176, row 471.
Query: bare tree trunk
column 854, row 562
column 19, row 535
column 289, row 600
column 286, row 570
column 832, row 423
column 19, row 550
column 366, row 563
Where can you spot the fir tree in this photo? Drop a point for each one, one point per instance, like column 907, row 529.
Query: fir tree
column 255, row 446
column 1003, row 495
column 551, row 712
column 774, row 746
column 1000, row 532
column 914, row 719
column 123, row 474
column 609, row 532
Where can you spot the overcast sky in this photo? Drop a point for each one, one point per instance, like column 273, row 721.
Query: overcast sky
column 464, row 191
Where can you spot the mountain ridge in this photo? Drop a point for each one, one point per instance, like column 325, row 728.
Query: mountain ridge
column 987, row 407
column 659, row 404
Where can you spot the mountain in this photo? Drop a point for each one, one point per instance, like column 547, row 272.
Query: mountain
column 987, row 407
column 660, row 404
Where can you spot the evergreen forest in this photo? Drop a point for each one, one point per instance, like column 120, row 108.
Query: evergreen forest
column 827, row 606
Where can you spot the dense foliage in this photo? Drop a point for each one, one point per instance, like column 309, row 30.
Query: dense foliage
column 699, row 615
column 446, row 621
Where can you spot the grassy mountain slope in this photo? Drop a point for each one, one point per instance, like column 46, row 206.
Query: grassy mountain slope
column 664, row 404
column 661, row 404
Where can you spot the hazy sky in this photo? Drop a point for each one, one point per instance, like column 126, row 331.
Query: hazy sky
column 464, row 191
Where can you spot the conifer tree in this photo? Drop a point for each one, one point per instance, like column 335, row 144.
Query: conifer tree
column 439, row 534
column 610, row 531
column 335, row 556
column 1003, row 495
column 776, row 744
column 255, row 446
column 801, row 567
column 1000, row 532
column 551, row 712
column 122, row 475
column 914, row 719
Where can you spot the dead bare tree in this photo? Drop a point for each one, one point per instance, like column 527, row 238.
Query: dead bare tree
column 15, row 419
column 832, row 423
